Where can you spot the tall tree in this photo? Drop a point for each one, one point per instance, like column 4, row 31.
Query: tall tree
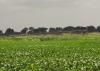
column 98, row 29
column 91, row 29
column 52, row 30
column 81, row 28
column 42, row 30
column 59, row 29
column 31, row 30
column 68, row 29
column 9, row 31
column 24, row 30
column 36, row 30
column 1, row 32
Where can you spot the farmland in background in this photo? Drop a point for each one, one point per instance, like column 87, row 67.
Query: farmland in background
column 50, row 53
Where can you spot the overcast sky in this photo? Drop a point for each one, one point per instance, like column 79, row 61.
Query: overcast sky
column 48, row 13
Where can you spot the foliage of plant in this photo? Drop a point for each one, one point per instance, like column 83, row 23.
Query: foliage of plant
column 50, row 53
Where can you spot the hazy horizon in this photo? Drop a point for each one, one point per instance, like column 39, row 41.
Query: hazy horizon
column 18, row 14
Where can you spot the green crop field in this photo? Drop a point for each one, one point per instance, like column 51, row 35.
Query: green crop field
column 50, row 53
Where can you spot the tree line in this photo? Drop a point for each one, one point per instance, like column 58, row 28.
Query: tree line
column 57, row 30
